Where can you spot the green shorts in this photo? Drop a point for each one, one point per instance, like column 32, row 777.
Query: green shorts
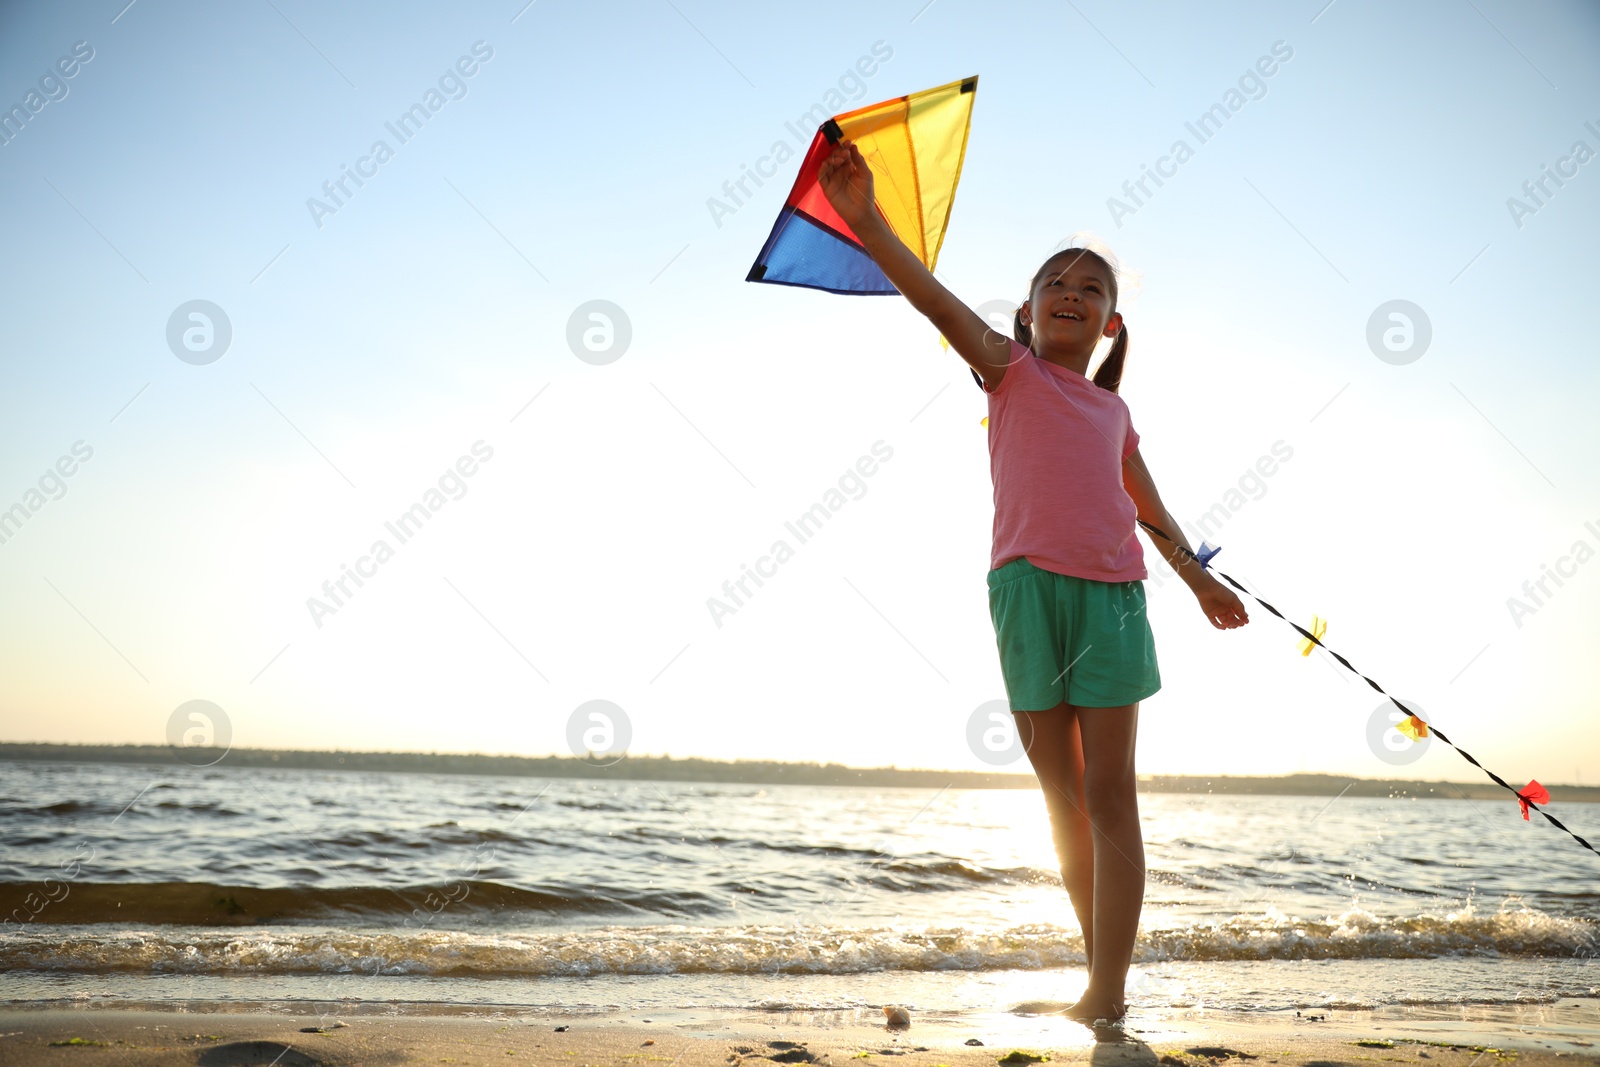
column 1072, row 640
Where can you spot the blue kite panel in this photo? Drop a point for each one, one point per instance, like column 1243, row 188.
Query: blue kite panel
column 803, row 252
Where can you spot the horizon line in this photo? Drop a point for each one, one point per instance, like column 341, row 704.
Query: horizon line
column 668, row 757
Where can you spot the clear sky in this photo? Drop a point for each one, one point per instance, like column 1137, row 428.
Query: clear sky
column 376, row 340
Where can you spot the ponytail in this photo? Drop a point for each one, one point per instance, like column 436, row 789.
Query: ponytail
column 1021, row 330
column 1109, row 374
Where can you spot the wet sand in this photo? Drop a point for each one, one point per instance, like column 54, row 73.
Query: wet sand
column 217, row 1035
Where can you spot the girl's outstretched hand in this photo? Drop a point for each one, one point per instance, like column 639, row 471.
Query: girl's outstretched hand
column 1222, row 607
column 846, row 181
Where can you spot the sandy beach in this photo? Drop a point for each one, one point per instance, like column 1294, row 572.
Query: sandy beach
column 217, row 1035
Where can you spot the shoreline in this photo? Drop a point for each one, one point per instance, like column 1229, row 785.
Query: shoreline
column 745, row 772
column 220, row 1034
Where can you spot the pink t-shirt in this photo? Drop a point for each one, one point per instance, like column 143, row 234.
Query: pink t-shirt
column 1056, row 446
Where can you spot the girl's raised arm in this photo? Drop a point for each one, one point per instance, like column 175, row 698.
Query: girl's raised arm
column 847, row 183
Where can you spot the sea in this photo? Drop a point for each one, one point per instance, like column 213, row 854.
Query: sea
column 129, row 884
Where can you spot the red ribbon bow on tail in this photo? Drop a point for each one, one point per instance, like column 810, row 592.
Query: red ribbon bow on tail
column 1534, row 792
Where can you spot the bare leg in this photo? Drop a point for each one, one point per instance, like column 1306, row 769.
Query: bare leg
column 1055, row 749
column 1112, row 802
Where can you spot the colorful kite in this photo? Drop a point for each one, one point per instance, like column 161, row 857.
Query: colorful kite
column 1530, row 796
column 915, row 145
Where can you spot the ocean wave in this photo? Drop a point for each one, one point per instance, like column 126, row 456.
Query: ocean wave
column 588, row 953
column 207, row 904
column 1361, row 934
column 755, row 950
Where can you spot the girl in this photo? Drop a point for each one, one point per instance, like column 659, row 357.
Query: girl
column 1066, row 591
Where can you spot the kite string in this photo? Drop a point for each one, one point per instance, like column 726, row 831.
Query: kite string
column 1350, row 667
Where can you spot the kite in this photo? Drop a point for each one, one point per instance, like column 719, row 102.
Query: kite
column 915, row 145
column 1530, row 796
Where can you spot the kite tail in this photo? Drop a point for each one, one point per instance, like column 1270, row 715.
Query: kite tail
column 1521, row 799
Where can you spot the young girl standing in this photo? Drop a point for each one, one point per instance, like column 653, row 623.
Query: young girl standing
column 1066, row 591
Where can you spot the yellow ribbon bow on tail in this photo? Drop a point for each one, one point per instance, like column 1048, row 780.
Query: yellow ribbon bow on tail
column 1412, row 727
column 1319, row 626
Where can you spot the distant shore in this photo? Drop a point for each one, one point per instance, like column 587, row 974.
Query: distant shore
column 756, row 772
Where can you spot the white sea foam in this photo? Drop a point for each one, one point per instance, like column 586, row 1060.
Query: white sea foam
column 755, row 950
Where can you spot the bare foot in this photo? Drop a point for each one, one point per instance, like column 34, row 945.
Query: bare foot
column 1096, row 1012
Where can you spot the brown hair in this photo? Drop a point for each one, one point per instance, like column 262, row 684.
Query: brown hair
column 1109, row 374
